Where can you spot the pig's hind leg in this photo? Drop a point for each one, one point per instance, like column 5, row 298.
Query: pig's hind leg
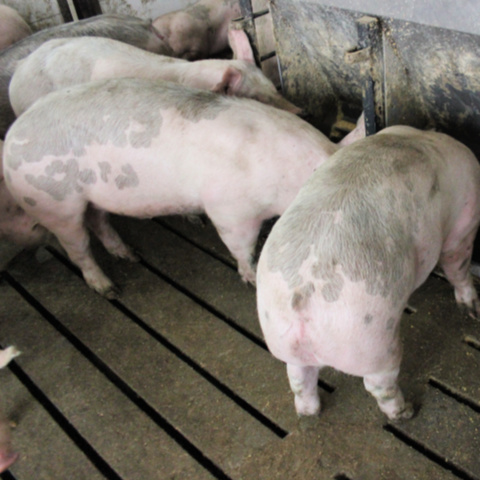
column 240, row 239
column 384, row 387
column 303, row 382
column 97, row 222
column 73, row 237
column 455, row 262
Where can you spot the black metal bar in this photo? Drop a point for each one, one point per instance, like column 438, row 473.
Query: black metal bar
column 87, row 8
column 65, row 11
column 268, row 55
column 370, row 37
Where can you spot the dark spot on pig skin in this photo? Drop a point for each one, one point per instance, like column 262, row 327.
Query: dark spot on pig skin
column 128, row 180
column 301, row 296
column 119, row 112
column 331, row 290
column 390, row 323
column 368, row 319
column 30, row 201
column 357, row 217
column 464, row 263
column 435, row 187
column 70, row 175
column 105, row 170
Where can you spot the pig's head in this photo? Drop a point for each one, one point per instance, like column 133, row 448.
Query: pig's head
column 243, row 78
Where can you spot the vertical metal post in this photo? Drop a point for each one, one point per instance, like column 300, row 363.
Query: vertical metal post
column 370, row 39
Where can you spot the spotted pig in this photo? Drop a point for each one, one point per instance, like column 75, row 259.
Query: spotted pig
column 142, row 148
column 362, row 234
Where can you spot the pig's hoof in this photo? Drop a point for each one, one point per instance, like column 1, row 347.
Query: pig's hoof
column 472, row 310
column 6, row 461
column 309, row 408
column 8, row 354
column 405, row 414
column 111, row 293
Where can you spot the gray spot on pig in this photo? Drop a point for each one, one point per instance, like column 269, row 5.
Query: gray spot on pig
column 62, row 179
column 105, row 170
column 87, row 176
column 358, row 217
column 30, row 201
column 391, row 323
column 301, row 296
column 120, row 112
column 368, row 319
column 331, row 290
column 435, row 187
column 128, row 180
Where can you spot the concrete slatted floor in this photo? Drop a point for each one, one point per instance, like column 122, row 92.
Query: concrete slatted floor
column 173, row 380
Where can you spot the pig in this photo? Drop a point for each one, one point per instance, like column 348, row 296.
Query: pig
column 100, row 58
column 16, row 227
column 12, row 27
column 131, row 30
column 199, row 30
column 363, row 233
column 7, row 455
column 146, row 148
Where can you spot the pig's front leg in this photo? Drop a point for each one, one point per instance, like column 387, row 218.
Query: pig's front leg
column 303, row 382
column 456, row 265
column 384, row 387
column 97, row 222
column 240, row 239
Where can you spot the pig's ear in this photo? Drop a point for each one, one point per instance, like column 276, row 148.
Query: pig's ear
column 231, row 82
column 240, row 45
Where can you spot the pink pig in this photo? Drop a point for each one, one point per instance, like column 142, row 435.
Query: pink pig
column 200, row 30
column 142, row 148
column 63, row 62
column 362, row 234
